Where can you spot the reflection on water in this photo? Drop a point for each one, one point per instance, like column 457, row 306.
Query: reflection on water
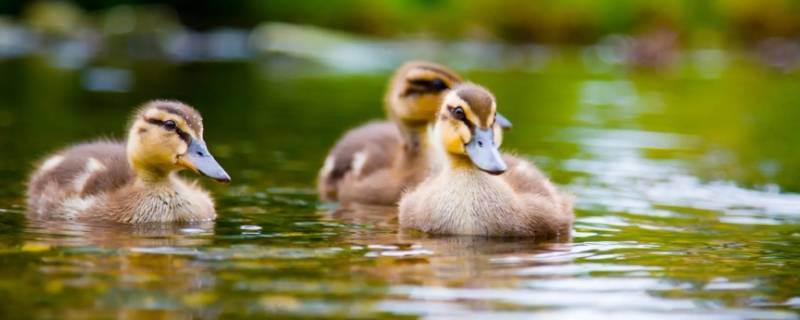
column 684, row 211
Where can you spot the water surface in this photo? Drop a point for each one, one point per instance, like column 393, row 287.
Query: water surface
column 685, row 184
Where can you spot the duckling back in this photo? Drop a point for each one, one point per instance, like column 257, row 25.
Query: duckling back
column 359, row 153
column 371, row 165
column 69, row 181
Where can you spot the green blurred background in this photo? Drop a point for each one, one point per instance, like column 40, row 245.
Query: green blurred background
column 699, row 23
column 577, row 21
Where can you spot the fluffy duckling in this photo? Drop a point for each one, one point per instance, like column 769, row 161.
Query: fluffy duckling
column 478, row 191
column 374, row 163
column 136, row 182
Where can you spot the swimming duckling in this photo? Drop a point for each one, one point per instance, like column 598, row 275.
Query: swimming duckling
column 136, row 182
column 478, row 191
column 374, row 163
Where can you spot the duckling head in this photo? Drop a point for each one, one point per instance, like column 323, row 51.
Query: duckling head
column 468, row 128
column 167, row 136
column 416, row 90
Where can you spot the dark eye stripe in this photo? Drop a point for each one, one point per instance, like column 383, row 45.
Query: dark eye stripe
column 182, row 134
column 155, row 122
column 433, row 84
column 421, row 86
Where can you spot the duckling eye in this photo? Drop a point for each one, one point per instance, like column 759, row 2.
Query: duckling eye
column 458, row 112
column 170, row 125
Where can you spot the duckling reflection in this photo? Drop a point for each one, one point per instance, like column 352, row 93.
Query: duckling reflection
column 411, row 257
column 375, row 163
column 107, row 234
column 120, row 267
column 136, row 182
column 364, row 214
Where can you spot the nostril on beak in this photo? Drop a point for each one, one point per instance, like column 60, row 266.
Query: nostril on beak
column 480, row 143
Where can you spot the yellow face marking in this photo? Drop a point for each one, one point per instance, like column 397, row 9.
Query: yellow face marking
column 471, row 117
column 185, row 128
column 453, row 137
column 453, row 132
column 490, row 120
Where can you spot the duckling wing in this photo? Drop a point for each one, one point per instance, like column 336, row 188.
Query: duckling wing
column 523, row 176
column 361, row 151
column 528, row 181
column 78, row 172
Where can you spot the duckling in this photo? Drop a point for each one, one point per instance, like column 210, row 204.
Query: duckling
column 374, row 163
column 135, row 182
column 478, row 191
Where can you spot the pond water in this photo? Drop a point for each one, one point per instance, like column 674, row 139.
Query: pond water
column 685, row 184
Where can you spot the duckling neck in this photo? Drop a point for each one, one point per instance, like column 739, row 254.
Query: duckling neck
column 415, row 137
column 152, row 177
column 461, row 164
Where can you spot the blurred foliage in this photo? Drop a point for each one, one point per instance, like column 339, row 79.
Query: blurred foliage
column 572, row 21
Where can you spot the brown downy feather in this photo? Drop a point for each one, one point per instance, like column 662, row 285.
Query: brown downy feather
column 376, row 140
column 109, row 153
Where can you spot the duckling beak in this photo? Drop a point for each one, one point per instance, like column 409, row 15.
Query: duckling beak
column 502, row 121
column 484, row 153
column 198, row 159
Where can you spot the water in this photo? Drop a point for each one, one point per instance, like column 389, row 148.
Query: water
column 686, row 186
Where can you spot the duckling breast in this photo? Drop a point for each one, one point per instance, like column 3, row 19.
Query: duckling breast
column 466, row 203
column 168, row 202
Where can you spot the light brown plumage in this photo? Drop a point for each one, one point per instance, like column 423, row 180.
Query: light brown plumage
column 460, row 198
column 374, row 163
column 135, row 182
